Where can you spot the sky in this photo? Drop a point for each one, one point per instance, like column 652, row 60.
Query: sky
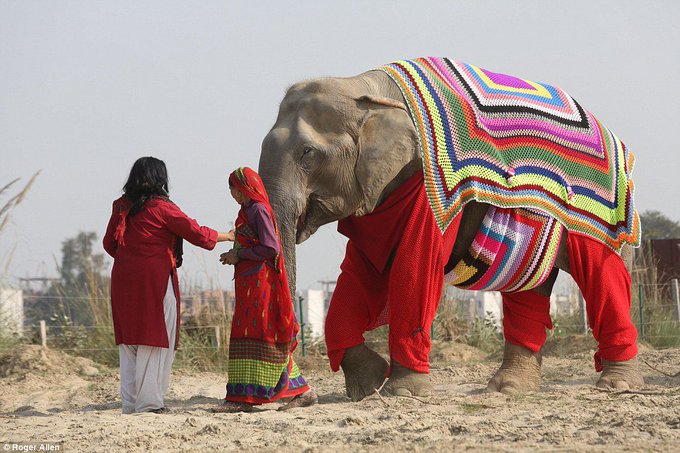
column 87, row 87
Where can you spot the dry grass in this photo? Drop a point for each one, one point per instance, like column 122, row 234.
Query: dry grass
column 8, row 339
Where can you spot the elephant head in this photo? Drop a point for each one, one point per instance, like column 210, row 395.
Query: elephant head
column 338, row 148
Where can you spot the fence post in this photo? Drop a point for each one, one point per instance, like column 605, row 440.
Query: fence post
column 582, row 315
column 642, row 314
column 43, row 334
column 675, row 288
column 217, row 337
column 302, row 327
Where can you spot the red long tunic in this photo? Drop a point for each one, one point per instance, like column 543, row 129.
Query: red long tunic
column 143, row 262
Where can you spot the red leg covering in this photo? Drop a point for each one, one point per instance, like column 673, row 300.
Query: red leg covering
column 415, row 285
column 526, row 316
column 370, row 292
column 358, row 300
column 605, row 284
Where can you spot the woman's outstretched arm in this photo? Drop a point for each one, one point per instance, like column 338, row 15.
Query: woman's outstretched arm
column 201, row 236
column 228, row 236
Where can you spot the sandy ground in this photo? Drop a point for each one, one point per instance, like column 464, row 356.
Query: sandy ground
column 50, row 397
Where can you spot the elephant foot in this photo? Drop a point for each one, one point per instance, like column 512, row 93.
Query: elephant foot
column 364, row 371
column 520, row 371
column 620, row 375
column 406, row 382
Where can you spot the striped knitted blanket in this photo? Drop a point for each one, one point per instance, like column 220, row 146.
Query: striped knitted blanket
column 513, row 143
column 514, row 250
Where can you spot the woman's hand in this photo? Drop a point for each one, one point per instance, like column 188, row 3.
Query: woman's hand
column 229, row 236
column 229, row 257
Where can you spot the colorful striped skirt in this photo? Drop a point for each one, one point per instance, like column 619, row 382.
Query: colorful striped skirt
column 261, row 365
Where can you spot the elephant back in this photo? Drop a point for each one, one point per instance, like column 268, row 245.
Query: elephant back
column 515, row 143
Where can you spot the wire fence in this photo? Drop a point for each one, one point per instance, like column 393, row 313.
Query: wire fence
column 53, row 336
column 655, row 310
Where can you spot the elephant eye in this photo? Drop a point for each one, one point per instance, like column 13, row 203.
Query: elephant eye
column 308, row 158
column 308, row 152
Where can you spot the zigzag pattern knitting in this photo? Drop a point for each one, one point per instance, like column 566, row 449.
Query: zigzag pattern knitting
column 514, row 143
column 514, row 250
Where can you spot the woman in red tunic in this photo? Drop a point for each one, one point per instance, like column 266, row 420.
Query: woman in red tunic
column 144, row 237
column 264, row 328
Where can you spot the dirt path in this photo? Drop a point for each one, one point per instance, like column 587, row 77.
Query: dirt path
column 57, row 401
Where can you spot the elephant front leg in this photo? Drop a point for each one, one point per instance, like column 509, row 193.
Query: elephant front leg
column 409, row 375
column 364, row 371
column 358, row 300
column 406, row 382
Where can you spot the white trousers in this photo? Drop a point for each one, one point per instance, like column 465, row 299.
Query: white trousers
column 145, row 370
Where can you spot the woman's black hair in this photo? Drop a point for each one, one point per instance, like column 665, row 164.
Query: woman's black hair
column 148, row 178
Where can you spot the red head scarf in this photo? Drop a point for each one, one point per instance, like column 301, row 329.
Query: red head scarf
column 249, row 182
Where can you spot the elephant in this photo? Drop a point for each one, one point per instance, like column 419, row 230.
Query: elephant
column 341, row 147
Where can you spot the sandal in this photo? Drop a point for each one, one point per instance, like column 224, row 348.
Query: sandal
column 231, row 407
column 306, row 399
column 161, row 410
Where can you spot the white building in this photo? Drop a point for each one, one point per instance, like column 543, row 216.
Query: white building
column 11, row 311
column 487, row 304
column 313, row 311
column 478, row 304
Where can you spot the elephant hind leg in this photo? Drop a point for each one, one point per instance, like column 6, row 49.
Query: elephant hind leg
column 605, row 284
column 526, row 316
column 520, row 371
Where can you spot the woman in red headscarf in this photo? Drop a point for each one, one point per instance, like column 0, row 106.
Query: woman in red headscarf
column 264, row 328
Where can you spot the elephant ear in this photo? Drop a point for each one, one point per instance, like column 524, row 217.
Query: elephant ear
column 387, row 143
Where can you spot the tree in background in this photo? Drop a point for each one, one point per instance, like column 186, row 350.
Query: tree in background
column 80, row 297
column 82, row 291
column 656, row 225
column 81, row 269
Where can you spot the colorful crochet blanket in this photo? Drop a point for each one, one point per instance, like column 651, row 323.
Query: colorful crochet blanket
column 512, row 143
column 514, row 250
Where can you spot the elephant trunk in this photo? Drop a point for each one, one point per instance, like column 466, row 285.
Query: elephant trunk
column 287, row 214
column 287, row 232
